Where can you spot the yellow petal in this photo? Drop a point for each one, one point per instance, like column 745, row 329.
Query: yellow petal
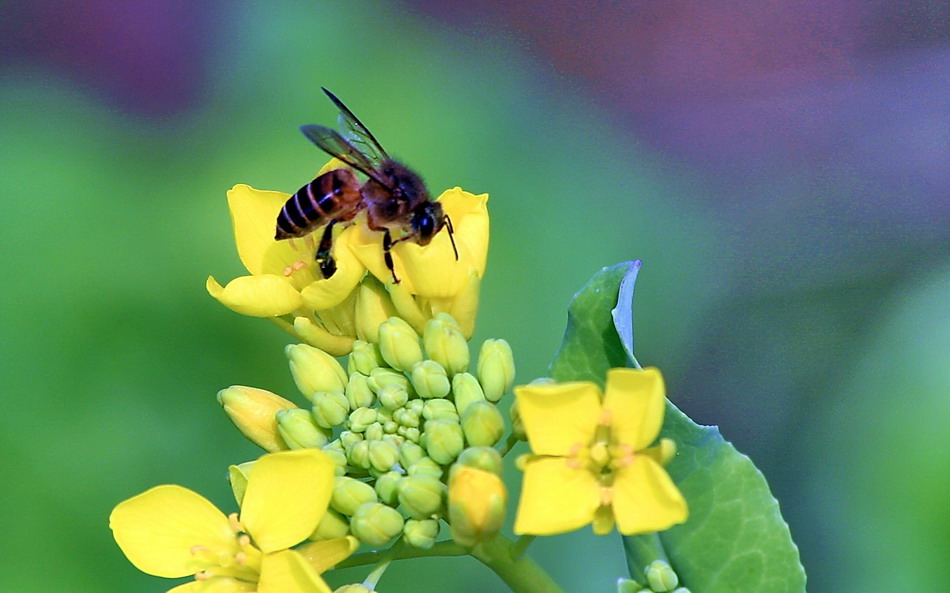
column 287, row 494
column 330, row 292
column 216, row 585
column 324, row 555
column 469, row 214
column 289, row 572
column 158, row 529
column 555, row 497
column 636, row 401
column 267, row 295
column 557, row 416
column 645, row 498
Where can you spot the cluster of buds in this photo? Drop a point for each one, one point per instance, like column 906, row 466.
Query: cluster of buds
column 410, row 424
column 660, row 578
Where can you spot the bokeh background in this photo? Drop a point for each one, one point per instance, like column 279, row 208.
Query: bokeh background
column 781, row 168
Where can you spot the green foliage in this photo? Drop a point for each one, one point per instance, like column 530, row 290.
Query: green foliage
column 735, row 539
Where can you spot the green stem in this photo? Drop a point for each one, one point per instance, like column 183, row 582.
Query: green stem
column 641, row 550
column 520, row 573
column 509, row 443
column 521, row 544
column 446, row 548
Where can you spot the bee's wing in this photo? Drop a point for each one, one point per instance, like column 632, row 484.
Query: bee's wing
column 337, row 146
column 356, row 133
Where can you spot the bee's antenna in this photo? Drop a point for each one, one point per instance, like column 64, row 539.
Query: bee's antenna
column 448, row 223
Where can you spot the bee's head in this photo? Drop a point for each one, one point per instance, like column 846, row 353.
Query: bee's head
column 427, row 221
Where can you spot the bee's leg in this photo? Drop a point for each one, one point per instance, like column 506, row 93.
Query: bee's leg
column 387, row 254
column 324, row 258
column 448, row 224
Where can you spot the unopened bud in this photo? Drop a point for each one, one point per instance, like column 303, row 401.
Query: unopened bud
column 660, row 576
column 361, row 418
column 358, row 392
column 387, row 487
column 410, row 453
column 338, row 456
column 483, row 458
column 421, row 533
column 332, row 526
column 358, row 454
column 445, row 344
column 496, row 368
column 410, row 433
column 482, row 424
column 373, row 307
column 316, row 335
column 628, row 586
column 299, row 430
column 348, row 494
column 375, row 524
column 393, row 396
column 374, row 432
column 443, row 440
column 330, row 408
column 349, row 438
column 382, row 455
column 364, row 358
column 406, row 418
column 254, row 412
column 314, row 370
column 425, row 467
column 399, row 344
column 440, row 409
column 421, row 495
column 476, row 506
column 466, row 390
column 382, row 377
column 429, row 379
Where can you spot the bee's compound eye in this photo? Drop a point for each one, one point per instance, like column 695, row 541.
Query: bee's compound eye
column 426, row 225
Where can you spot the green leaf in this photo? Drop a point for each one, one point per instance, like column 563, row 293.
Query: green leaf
column 735, row 539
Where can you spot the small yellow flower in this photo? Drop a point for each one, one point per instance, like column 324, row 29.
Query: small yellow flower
column 285, row 284
column 590, row 461
column 170, row 531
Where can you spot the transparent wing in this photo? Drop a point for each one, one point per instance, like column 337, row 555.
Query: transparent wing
column 356, row 133
column 331, row 142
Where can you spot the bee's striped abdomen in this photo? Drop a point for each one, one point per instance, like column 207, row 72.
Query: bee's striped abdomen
column 327, row 197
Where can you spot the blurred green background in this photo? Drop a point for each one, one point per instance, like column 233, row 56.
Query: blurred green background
column 781, row 171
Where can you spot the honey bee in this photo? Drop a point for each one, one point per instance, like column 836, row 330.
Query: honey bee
column 394, row 197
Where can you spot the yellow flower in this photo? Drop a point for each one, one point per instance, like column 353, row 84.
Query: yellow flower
column 286, row 286
column 170, row 531
column 590, row 461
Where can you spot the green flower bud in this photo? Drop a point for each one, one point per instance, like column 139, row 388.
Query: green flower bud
column 348, row 494
column 382, row 377
column 445, row 344
column 254, row 412
column 421, row 533
column 374, row 432
column 440, row 409
column 349, row 438
column 681, row 590
column 429, row 379
column 496, row 368
column 482, row 424
column 517, row 426
column 373, row 307
column 361, row 418
column 443, row 440
column 410, row 433
column 376, row 524
column 314, row 370
column 299, row 430
column 406, row 418
column 382, row 455
column 338, row 456
column 466, row 390
column 364, row 358
column 399, row 344
column 332, row 526
column 358, row 454
column 387, row 487
column 476, row 505
column 421, row 495
column 628, row 586
column 425, row 467
column 393, row 396
column 410, row 453
column 660, row 576
column 358, row 392
column 483, row 458
column 330, row 408
column 395, row 439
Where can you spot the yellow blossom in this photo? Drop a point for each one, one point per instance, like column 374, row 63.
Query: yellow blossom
column 285, row 283
column 590, row 459
column 170, row 531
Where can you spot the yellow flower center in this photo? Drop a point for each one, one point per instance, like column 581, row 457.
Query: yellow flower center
column 242, row 561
